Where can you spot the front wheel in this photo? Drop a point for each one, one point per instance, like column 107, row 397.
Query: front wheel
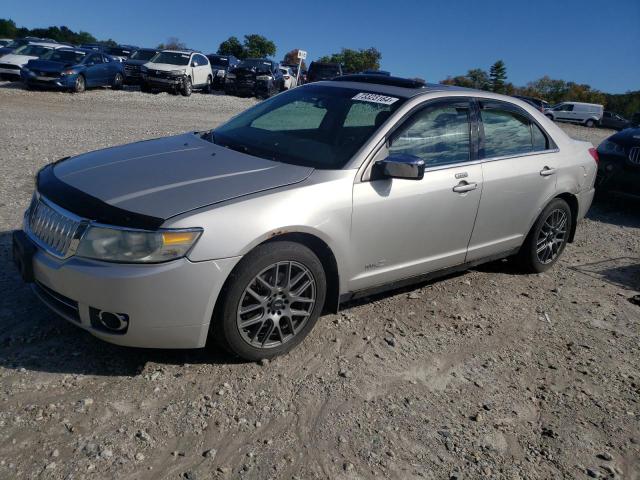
column 80, row 84
column 589, row 123
column 187, row 87
column 548, row 237
column 270, row 302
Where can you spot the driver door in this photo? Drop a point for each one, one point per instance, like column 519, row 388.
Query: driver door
column 403, row 228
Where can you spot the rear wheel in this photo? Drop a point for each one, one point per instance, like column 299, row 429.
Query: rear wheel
column 209, row 86
column 548, row 237
column 271, row 301
column 80, row 84
column 187, row 88
column 550, row 117
column 118, row 81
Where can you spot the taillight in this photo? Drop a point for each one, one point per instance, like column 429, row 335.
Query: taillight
column 594, row 154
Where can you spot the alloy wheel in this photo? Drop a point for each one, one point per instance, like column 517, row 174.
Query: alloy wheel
column 552, row 236
column 276, row 304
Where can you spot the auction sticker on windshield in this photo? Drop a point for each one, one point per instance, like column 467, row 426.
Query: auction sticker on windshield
column 375, row 98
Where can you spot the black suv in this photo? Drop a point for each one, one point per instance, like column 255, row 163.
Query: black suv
column 323, row 71
column 134, row 62
column 614, row 121
column 255, row 76
column 221, row 65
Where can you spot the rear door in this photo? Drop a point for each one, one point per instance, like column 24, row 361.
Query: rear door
column 403, row 228
column 519, row 166
column 565, row 112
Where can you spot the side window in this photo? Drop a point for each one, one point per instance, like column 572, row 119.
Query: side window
column 367, row 114
column 568, row 108
column 438, row 134
column 194, row 61
column 95, row 59
column 202, row 60
column 508, row 132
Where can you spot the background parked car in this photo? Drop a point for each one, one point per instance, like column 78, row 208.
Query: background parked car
column 540, row 104
column 134, row 63
column 377, row 72
column 5, row 41
column 221, row 65
column 619, row 168
column 74, row 69
column 120, row 52
column 12, row 63
column 255, row 76
column 19, row 42
column 177, row 71
column 614, row 121
column 98, row 47
column 323, row 71
column 289, row 77
column 587, row 114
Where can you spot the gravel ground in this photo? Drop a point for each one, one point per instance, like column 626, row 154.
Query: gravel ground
column 488, row 374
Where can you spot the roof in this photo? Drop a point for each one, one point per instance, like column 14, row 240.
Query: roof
column 189, row 52
column 397, row 86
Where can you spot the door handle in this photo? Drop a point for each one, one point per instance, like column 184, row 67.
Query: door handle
column 463, row 187
column 546, row 171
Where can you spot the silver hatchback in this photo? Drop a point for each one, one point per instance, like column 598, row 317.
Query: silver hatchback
column 242, row 236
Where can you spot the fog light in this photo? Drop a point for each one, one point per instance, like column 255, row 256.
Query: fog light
column 110, row 322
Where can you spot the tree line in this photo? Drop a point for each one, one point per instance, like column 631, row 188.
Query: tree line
column 546, row 88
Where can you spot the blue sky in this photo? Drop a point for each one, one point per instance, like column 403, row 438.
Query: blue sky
column 593, row 42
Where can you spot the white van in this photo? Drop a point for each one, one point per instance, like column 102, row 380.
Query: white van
column 588, row 114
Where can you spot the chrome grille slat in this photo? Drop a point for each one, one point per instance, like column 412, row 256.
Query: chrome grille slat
column 51, row 227
column 634, row 155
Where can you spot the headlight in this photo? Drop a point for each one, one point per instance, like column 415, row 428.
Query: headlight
column 143, row 69
column 136, row 246
column 264, row 77
column 612, row 148
column 220, row 73
column 177, row 72
column 231, row 76
column 69, row 72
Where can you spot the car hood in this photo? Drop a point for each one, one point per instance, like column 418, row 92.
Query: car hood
column 16, row 59
column 168, row 176
column 48, row 65
column 629, row 137
column 167, row 67
column 130, row 61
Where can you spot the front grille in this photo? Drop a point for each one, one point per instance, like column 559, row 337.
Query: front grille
column 40, row 73
column 57, row 302
column 634, row 155
column 162, row 74
column 132, row 70
column 52, row 228
column 9, row 66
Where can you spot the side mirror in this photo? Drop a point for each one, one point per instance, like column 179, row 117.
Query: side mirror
column 401, row 165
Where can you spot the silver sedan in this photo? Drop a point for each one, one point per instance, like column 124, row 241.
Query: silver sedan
column 240, row 237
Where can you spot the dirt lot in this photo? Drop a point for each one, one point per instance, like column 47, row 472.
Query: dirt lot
column 489, row 374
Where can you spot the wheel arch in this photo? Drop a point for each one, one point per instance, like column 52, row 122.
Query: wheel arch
column 572, row 201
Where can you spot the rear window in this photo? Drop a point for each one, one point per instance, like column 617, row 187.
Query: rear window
column 325, row 70
column 508, row 132
column 142, row 55
column 219, row 60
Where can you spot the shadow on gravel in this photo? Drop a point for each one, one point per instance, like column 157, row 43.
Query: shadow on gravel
column 622, row 272
column 616, row 209
column 34, row 338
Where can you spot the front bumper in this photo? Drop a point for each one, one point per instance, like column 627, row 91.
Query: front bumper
column 618, row 174
column 161, row 82
column 168, row 305
column 10, row 72
column 63, row 82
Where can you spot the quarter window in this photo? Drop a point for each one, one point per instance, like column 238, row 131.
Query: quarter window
column 508, row 132
column 438, row 134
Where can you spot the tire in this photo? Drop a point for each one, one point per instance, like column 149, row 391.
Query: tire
column 589, row 123
column 118, row 82
column 274, row 330
column 80, row 85
column 547, row 239
column 209, row 86
column 187, row 87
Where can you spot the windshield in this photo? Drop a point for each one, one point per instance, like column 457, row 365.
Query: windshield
column 143, row 55
column 32, row 50
column 171, row 58
column 255, row 63
column 65, row 56
column 326, row 70
column 119, row 52
column 316, row 126
column 219, row 61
